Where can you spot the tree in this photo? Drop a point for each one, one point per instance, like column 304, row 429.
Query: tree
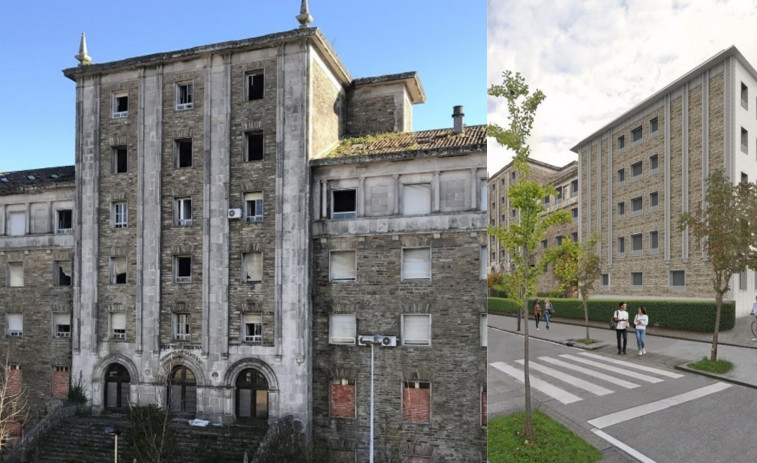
column 150, row 428
column 521, row 238
column 723, row 229
column 14, row 405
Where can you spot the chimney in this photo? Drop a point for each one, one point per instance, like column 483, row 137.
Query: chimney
column 457, row 119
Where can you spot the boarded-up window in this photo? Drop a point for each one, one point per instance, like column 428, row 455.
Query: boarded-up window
column 416, row 330
column 416, row 264
column 453, row 192
column 342, row 329
column 15, row 324
column 416, row 401
column 342, row 395
column 40, row 222
column 16, row 274
column 62, row 325
column 416, row 199
column 379, row 200
column 17, row 223
column 253, row 266
column 14, row 379
column 342, row 266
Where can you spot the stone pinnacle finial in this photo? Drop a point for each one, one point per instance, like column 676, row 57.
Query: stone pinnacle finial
column 304, row 17
column 83, row 57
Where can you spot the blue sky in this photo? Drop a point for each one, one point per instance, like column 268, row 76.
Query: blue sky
column 445, row 41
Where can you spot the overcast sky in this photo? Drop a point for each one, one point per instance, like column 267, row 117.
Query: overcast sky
column 596, row 59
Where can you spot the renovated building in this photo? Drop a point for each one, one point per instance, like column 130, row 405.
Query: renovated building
column 642, row 170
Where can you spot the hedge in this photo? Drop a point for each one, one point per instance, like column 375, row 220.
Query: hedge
column 677, row 315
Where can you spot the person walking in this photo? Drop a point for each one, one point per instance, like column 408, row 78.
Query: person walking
column 754, row 312
column 537, row 313
column 640, row 322
column 548, row 311
column 621, row 329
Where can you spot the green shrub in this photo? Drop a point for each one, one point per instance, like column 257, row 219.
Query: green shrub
column 76, row 393
column 678, row 315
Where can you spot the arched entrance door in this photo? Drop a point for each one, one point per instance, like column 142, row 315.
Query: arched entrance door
column 252, row 394
column 117, row 381
column 182, row 391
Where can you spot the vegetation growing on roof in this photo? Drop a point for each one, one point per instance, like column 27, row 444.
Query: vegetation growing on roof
column 359, row 145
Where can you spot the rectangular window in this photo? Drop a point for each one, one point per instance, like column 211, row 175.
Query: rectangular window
column 62, row 273
column 118, row 270
column 118, row 325
column 183, row 211
column 254, row 148
column 15, row 325
column 574, row 237
column 744, row 96
column 544, row 244
column 621, row 176
column 621, row 142
column 484, row 328
column 254, row 85
column 558, row 196
column 512, row 176
column 183, row 152
column 16, row 274
column 558, row 240
column 342, row 398
column 253, row 207
column 342, row 329
column 653, row 126
column 253, row 328
column 482, row 264
column 120, row 160
column 120, row 104
column 742, row 281
column 416, row 199
column 744, row 141
column 184, row 96
column 636, row 135
column 637, row 206
column 181, row 327
column 514, row 212
column 604, row 281
column 342, row 266
column 654, row 162
column 60, row 381
column 63, row 221
column 546, row 201
column 637, row 170
column 182, row 269
column 416, row 401
column 677, row 280
column 654, row 201
column 636, row 244
column 62, row 325
column 343, row 204
column 744, row 178
column 574, row 188
column 416, row 330
column 621, row 210
column 574, row 213
column 252, row 266
column 120, row 215
column 637, row 280
column 416, row 264
column 17, row 221
column 653, row 242
column 621, row 246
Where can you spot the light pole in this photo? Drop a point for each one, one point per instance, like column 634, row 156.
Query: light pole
column 382, row 341
column 115, row 432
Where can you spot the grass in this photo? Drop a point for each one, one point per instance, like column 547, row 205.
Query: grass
column 554, row 442
column 718, row 367
column 586, row 341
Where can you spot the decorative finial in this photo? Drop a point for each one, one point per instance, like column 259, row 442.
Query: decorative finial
column 83, row 57
column 304, row 17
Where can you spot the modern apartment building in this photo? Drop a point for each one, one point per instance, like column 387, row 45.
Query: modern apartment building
column 642, row 170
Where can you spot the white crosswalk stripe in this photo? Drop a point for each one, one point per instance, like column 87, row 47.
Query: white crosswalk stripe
column 620, row 371
column 636, row 366
column 566, row 378
column 543, row 386
column 592, row 373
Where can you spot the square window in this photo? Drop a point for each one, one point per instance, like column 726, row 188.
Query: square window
column 484, row 329
column 416, row 401
column 252, row 267
column 653, row 126
column 183, row 211
column 344, row 204
column 677, row 280
column 416, row 330
column 17, row 222
column 253, row 207
column 254, row 85
column 744, row 96
column 182, row 269
column 574, row 188
column 120, row 215
column 120, row 160
column 342, row 266
column 254, row 148
column 118, row 270
column 342, row 399
column 604, row 280
column 744, row 140
column 183, row 152
column 636, row 244
column 15, row 325
column 416, row 264
column 181, row 327
column 637, row 206
column 654, row 201
column 16, row 274
column 636, row 135
column 118, row 325
column 63, row 221
column 621, row 142
column 621, row 246
column 482, row 264
column 62, row 273
column 621, row 210
column 637, row 280
column 653, row 242
column 253, row 328
column 342, row 329
column 120, row 104
column 62, row 325
column 184, row 96
column 574, row 213
column 637, row 171
column 416, row 199
column 621, row 176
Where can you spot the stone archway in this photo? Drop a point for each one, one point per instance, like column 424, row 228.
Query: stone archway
column 117, row 387
column 236, row 375
column 251, row 395
column 182, row 391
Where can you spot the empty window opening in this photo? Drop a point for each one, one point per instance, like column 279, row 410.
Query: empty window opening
column 183, row 212
column 120, row 159
column 254, row 141
column 64, row 221
column 183, row 149
column 184, row 96
column 253, row 267
column 118, row 270
column 343, row 204
column 63, row 273
column 183, row 269
column 120, row 105
column 254, row 83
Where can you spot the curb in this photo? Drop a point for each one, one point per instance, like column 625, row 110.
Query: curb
column 726, row 379
column 564, row 342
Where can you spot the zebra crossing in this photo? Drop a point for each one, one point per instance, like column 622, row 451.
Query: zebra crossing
column 586, row 372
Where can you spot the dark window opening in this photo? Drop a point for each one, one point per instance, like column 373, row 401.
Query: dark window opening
column 255, row 146
column 120, row 161
column 255, row 86
column 344, row 202
column 184, row 153
column 64, row 220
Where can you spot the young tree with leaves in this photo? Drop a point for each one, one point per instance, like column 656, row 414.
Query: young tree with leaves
column 723, row 228
column 521, row 238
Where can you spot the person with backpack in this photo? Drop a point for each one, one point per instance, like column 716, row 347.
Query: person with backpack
column 548, row 311
column 621, row 328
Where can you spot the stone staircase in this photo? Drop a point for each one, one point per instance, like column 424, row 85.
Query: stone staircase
column 82, row 439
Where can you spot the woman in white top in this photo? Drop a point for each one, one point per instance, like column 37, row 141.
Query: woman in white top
column 640, row 321
column 621, row 329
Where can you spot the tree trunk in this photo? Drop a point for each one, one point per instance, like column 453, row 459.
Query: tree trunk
column 714, row 350
column 528, row 427
column 586, row 315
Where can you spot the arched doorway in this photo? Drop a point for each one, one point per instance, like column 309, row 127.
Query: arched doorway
column 117, row 382
column 182, row 391
column 252, row 394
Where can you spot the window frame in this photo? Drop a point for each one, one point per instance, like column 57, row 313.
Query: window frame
column 251, row 199
column 249, row 85
column 250, row 143
column 634, row 175
column 343, row 340
column 621, row 210
column 602, row 278
column 654, row 164
column 256, row 338
column 58, row 268
column 654, row 126
column 9, row 230
column 403, row 272
column 57, row 332
column 416, row 342
column 639, row 200
column 654, row 201
column 636, row 287
column 120, row 152
column 656, row 249
column 336, row 215
column 621, row 177
column 181, row 326
column 58, row 229
column 189, row 95
column 332, row 279
column 179, row 211
column 11, row 333
column 123, row 215
column 671, row 280
column 621, row 246
column 115, row 97
column 113, row 276
column 19, row 267
column 179, row 148
column 621, row 143
column 640, row 250
column 637, row 131
column 181, row 279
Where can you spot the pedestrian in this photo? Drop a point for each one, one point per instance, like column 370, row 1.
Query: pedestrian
column 621, row 329
column 754, row 312
column 537, row 313
column 640, row 322
column 548, row 311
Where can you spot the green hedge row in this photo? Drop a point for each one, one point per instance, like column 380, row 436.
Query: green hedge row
column 677, row 315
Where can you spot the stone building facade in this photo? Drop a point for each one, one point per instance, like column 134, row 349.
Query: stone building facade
column 36, row 254
column 641, row 171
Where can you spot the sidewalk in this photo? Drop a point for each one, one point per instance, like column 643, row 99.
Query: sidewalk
column 669, row 347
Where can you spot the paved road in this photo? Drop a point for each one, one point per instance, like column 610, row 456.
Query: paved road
column 632, row 408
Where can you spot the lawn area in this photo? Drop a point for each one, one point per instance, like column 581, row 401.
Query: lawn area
column 718, row 367
column 554, row 442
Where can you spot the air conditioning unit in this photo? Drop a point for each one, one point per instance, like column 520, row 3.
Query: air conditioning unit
column 16, row 334
column 235, row 214
column 388, row 341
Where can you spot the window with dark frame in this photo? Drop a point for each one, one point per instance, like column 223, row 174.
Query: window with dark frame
column 120, row 160
column 183, row 269
column 64, row 221
column 183, row 148
column 184, row 96
column 62, row 325
column 253, row 328
column 181, row 326
column 621, row 176
column 254, row 148
column 183, row 211
column 744, row 96
column 677, row 279
column 637, row 244
column 653, row 241
column 343, row 204
column 605, row 280
column 653, row 126
column 636, row 135
column 621, row 246
column 621, row 142
column 744, row 140
column 654, row 201
column 120, row 104
column 254, row 83
column 654, row 161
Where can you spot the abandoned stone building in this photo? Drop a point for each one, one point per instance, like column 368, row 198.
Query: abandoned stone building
column 247, row 216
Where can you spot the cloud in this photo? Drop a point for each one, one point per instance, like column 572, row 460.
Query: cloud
column 595, row 59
